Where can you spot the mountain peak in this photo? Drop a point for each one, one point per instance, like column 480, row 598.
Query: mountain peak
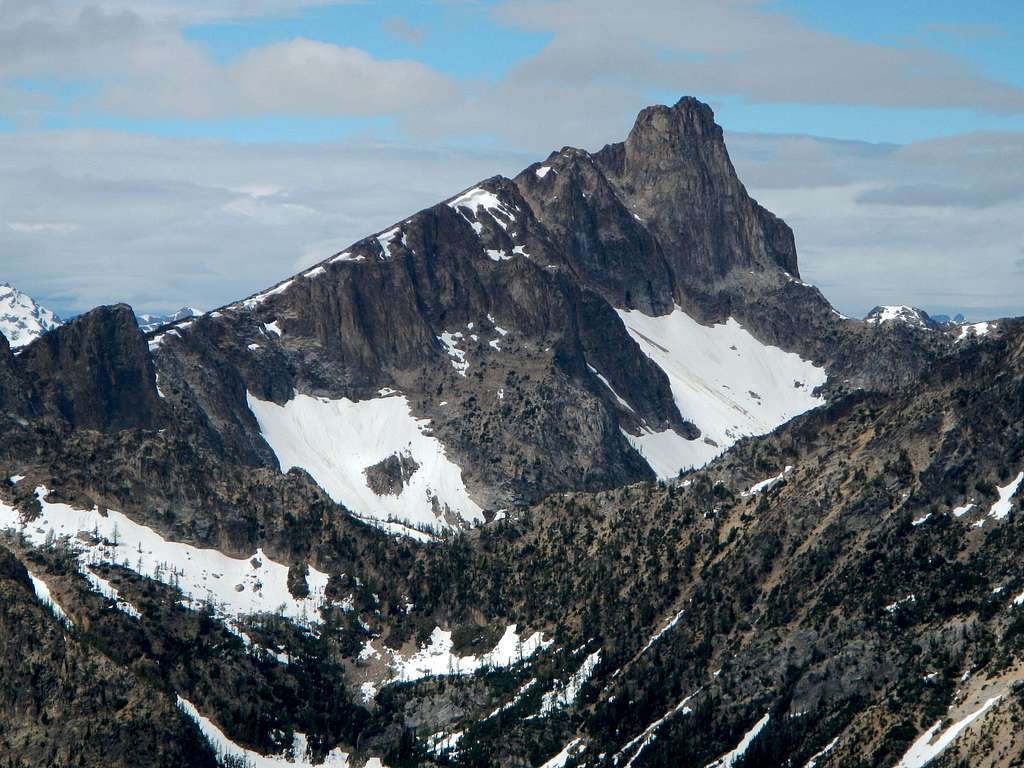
column 900, row 313
column 22, row 319
column 687, row 122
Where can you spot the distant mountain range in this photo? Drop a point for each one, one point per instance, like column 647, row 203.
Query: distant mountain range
column 149, row 323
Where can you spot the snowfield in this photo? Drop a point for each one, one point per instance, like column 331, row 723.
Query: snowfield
column 723, row 380
column 233, row 586
column 336, row 441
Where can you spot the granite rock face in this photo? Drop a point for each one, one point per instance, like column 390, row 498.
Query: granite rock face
column 500, row 303
column 93, row 373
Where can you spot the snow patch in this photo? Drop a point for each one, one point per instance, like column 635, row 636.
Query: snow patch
column 828, row 748
column 477, row 198
column 156, row 341
column 607, row 384
column 974, row 330
column 730, row 759
column 1001, row 509
column 385, row 239
column 569, row 751
column 897, row 313
column 109, row 591
column 337, row 440
column 45, row 597
column 648, row 735
column 543, row 171
column 963, row 510
column 437, row 657
column 458, row 356
column 299, row 757
column 564, row 695
column 346, row 256
column 668, row 625
column 767, row 485
column 724, row 380
column 259, row 298
column 273, row 328
column 927, row 747
column 514, row 700
column 444, row 742
column 893, row 607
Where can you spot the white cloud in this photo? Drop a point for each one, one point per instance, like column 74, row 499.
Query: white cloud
column 176, row 11
column 601, row 65
column 141, row 66
column 943, row 253
column 100, row 217
column 318, row 78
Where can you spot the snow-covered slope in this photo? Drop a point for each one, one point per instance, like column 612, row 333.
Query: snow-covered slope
column 151, row 322
column 232, row 586
column 298, row 757
column 724, row 380
column 337, row 441
column 22, row 320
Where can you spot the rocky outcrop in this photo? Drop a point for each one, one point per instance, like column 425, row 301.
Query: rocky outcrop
column 389, row 476
column 93, row 373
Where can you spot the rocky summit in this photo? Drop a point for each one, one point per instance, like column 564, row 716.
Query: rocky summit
column 569, row 469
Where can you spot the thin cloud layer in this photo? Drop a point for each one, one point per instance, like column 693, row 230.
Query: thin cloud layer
column 93, row 217
column 864, row 243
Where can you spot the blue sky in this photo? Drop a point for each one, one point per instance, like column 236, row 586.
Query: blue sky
column 469, row 43
column 240, row 138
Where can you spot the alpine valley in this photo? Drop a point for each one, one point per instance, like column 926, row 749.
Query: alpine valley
column 570, row 469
